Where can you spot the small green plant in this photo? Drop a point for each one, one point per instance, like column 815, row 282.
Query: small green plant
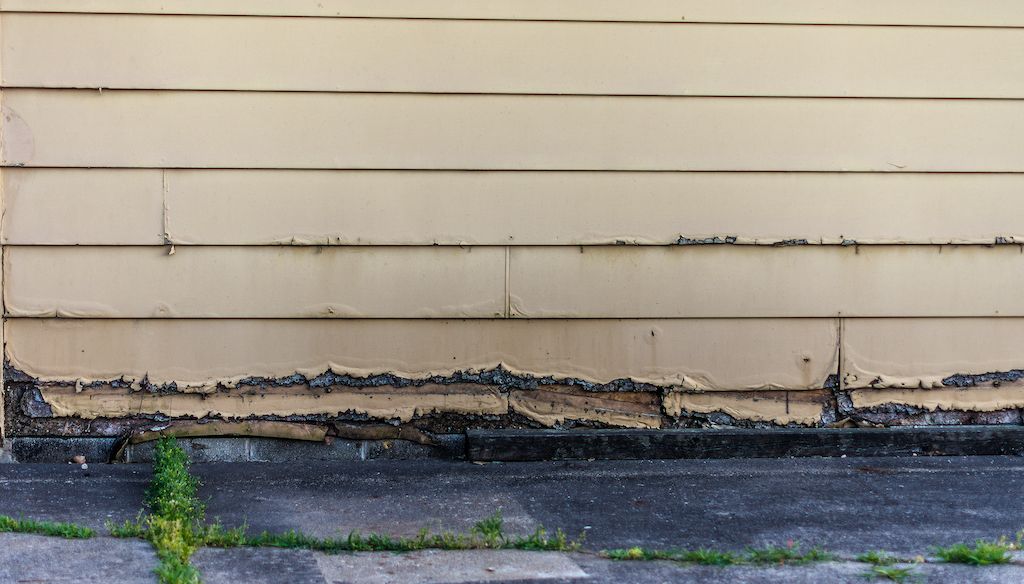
column 489, row 530
column 540, row 541
column 709, row 557
column 54, row 529
column 126, row 530
column 892, row 573
column 877, row 558
column 706, row 557
column 984, row 553
column 789, row 554
column 632, row 554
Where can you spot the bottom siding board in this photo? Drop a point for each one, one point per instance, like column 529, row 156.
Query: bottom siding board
column 921, row 353
column 922, row 371
column 698, row 354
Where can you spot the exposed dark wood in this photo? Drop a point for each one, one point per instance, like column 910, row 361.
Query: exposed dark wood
column 521, row 445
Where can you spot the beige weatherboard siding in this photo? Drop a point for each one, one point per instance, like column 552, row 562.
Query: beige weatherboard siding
column 998, row 13
column 541, row 282
column 757, row 208
column 48, row 206
column 453, row 56
column 296, row 282
column 703, row 354
column 328, row 130
column 794, row 281
column 72, row 206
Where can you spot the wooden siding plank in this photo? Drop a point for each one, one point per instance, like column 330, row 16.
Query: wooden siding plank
column 444, row 56
column 338, row 282
column 82, row 207
column 798, row 281
column 560, row 208
column 923, row 12
column 732, row 354
column 319, row 130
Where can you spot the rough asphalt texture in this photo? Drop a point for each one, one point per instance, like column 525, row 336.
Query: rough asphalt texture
column 848, row 506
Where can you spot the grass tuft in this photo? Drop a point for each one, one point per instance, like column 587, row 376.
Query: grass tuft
column 702, row 556
column 790, row 554
column 877, row 558
column 984, row 553
column 485, row 534
column 51, row 528
column 892, row 573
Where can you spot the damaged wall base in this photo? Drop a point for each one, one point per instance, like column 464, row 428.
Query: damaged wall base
column 49, row 420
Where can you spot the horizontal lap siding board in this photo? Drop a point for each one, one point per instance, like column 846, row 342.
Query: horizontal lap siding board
column 46, row 206
column 558, row 208
column 720, row 354
column 444, row 56
column 73, row 206
column 797, row 281
column 425, row 282
column 898, row 12
column 543, row 282
column 321, row 130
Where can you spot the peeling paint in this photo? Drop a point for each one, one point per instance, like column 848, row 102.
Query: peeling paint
column 987, row 399
column 994, row 378
column 713, row 240
column 382, row 403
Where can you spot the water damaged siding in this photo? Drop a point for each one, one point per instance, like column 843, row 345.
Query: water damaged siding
column 405, row 220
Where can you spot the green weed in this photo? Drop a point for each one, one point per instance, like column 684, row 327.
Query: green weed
column 891, row 573
column 790, row 554
column 707, row 557
column 984, row 553
column 51, row 528
column 877, row 558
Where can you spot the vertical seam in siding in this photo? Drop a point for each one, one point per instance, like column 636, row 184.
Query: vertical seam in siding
column 508, row 290
column 163, row 205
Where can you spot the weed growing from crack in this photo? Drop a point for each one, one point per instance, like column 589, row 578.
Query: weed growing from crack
column 984, row 553
column 791, row 554
column 702, row 556
column 892, row 573
column 175, row 524
column 485, row 534
column 788, row 554
column 877, row 558
column 50, row 528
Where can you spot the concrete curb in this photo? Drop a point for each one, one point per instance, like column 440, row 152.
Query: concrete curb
column 526, row 445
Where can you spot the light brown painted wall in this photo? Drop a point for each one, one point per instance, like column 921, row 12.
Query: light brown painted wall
column 730, row 200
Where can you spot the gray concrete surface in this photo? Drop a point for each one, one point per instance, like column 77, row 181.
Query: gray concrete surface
column 36, row 559
column 902, row 505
